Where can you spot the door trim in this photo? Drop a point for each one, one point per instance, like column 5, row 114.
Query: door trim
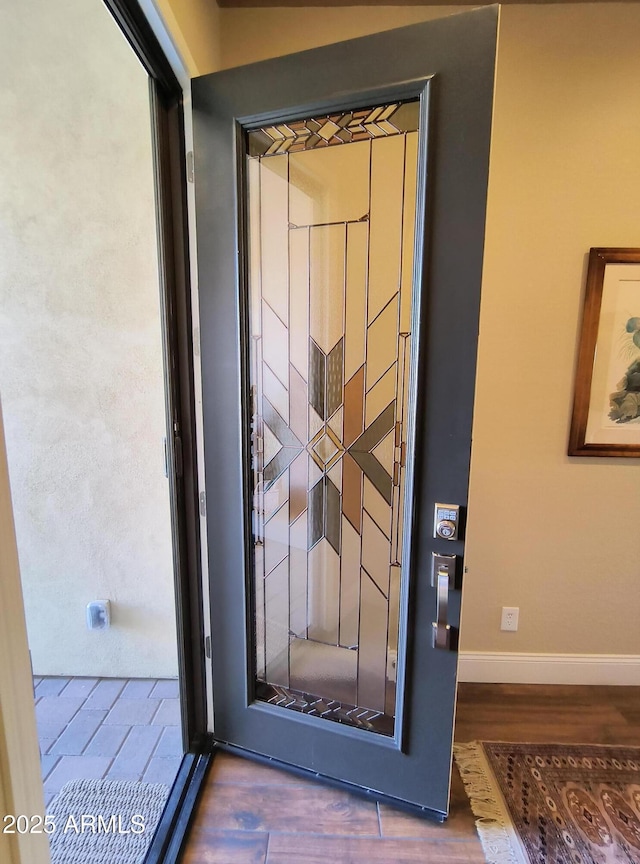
column 343, row 785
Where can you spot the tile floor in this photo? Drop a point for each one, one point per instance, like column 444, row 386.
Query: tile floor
column 112, row 728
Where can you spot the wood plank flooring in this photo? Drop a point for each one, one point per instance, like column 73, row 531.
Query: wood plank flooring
column 254, row 814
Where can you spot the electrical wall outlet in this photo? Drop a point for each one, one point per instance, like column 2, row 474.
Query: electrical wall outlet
column 509, row 620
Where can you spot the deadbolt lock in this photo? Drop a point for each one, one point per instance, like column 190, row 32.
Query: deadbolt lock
column 446, row 521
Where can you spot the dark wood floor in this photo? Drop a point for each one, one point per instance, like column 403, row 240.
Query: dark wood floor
column 252, row 814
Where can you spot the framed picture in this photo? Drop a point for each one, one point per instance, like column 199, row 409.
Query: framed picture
column 606, row 406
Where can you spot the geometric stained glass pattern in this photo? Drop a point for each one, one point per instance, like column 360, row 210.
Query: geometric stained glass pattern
column 330, row 709
column 349, row 126
column 326, row 447
column 331, row 234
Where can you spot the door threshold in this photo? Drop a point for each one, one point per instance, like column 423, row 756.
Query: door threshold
column 345, row 786
column 170, row 837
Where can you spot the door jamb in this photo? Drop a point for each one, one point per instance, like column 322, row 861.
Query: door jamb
column 168, row 141
column 167, row 121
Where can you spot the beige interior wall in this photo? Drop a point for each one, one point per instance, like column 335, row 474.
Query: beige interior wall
column 249, row 35
column 195, row 27
column 555, row 536
column 20, row 780
column 81, row 370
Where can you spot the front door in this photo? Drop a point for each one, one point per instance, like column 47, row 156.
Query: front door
column 341, row 197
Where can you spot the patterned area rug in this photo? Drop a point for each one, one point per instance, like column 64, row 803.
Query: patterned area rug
column 104, row 821
column 554, row 803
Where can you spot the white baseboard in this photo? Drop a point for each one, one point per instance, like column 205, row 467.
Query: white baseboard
column 499, row 668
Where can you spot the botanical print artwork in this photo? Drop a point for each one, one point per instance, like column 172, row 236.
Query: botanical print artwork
column 613, row 413
column 625, row 401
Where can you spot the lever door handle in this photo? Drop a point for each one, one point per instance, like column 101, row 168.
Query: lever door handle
column 443, row 569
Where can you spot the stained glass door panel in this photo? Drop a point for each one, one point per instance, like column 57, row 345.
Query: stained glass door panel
column 331, row 203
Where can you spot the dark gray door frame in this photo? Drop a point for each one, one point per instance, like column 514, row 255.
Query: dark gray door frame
column 167, row 118
column 167, row 122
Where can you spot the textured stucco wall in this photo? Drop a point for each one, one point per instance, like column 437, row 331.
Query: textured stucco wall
column 80, row 346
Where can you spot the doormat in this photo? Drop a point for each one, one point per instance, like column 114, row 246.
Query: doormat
column 104, row 821
column 554, row 803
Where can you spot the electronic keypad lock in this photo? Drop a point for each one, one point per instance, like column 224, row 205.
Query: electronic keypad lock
column 446, row 521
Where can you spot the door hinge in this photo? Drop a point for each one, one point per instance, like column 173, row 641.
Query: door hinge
column 177, row 449
column 203, row 503
column 190, row 167
column 207, row 647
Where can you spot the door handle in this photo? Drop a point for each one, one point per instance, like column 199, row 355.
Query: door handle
column 443, row 568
